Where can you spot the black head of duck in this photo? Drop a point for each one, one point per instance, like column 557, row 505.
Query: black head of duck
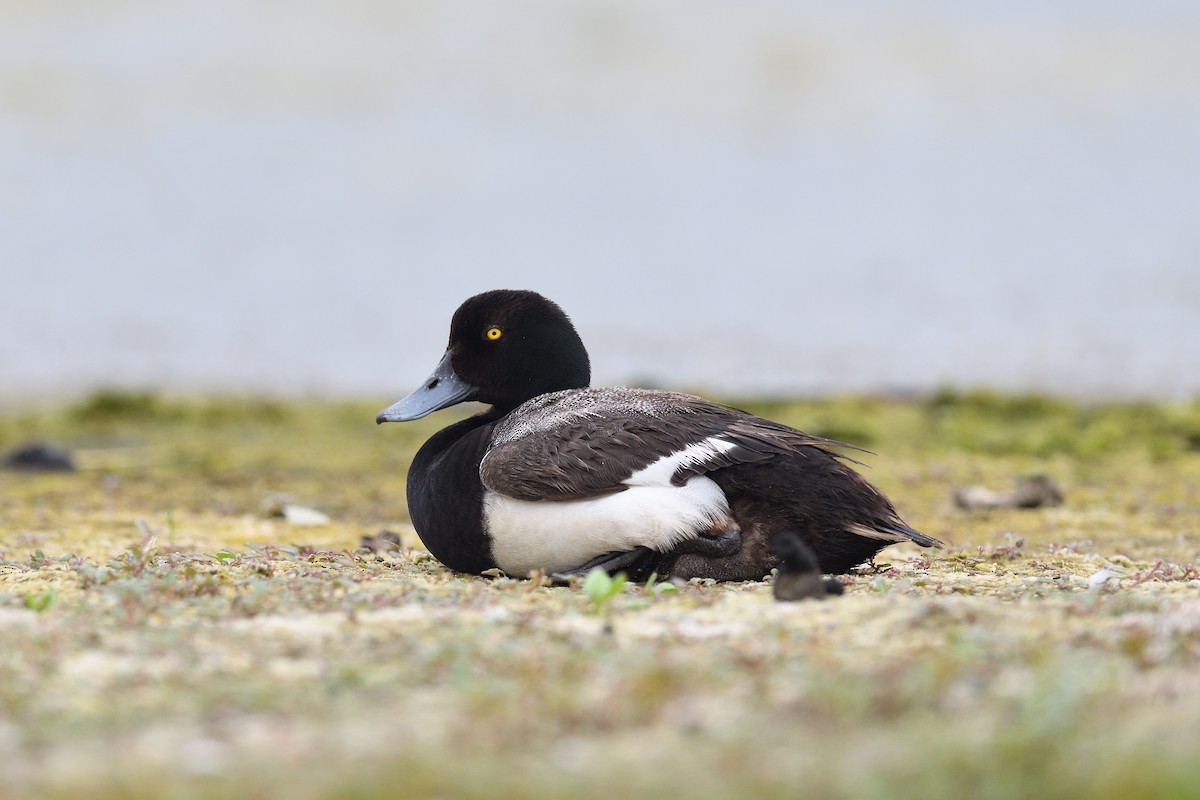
column 560, row 478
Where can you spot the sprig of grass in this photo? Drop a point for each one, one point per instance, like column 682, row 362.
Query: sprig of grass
column 656, row 589
column 601, row 588
column 42, row 601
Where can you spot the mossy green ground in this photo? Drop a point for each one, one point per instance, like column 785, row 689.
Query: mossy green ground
column 161, row 635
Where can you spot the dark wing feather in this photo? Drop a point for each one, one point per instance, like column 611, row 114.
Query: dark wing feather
column 590, row 451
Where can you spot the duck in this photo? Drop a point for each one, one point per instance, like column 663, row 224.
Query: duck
column 556, row 477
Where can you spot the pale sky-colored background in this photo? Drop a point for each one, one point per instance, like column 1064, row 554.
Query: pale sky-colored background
column 734, row 197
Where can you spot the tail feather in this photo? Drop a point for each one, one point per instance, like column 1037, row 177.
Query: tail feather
column 894, row 531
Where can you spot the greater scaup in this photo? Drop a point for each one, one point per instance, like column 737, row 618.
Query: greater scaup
column 558, row 477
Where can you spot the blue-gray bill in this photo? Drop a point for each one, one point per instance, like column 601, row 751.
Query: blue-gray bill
column 440, row 390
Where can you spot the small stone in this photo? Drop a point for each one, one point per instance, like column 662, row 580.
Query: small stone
column 382, row 542
column 282, row 505
column 1032, row 491
column 272, row 505
column 980, row 498
column 303, row 515
column 1037, row 491
column 799, row 576
column 1103, row 579
column 40, row 457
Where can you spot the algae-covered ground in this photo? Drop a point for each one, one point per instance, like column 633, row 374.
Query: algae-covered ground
column 164, row 634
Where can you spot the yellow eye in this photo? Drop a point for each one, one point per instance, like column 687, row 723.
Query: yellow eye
column 493, row 333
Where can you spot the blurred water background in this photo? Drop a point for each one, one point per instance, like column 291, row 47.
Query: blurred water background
column 758, row 197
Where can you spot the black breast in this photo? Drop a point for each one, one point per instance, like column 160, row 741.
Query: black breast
column 445, row 496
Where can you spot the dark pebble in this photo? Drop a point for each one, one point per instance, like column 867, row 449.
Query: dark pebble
column 40, row 457
column 799, row 576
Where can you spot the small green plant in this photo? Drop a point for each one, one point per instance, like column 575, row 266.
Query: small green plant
column 601, row 588
column 656, row 589
column 226, row 556
column 42, row 601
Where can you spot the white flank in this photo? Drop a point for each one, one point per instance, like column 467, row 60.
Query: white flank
column 659, row 473
column 560, row 535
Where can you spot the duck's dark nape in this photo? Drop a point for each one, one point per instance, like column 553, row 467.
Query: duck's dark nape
column 558, row 478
